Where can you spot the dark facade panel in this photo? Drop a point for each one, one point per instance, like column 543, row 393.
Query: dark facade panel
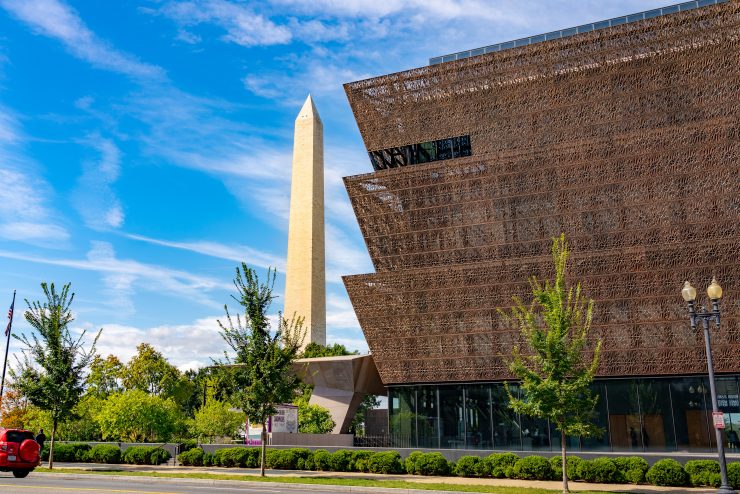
column 626, row 139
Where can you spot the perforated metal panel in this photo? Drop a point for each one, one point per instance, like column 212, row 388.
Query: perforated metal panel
column 625, row 139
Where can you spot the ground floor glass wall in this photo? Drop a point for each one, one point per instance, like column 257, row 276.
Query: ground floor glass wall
column 660, row 414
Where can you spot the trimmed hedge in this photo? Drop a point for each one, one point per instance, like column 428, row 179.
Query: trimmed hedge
column 571, row 464
column 532, row 468
column 385, row 462
column 599, row 470
column 468, row 466
column 145, row 455
column 667, row 472
column 632, row 469
column 104, row 453
column 67, row 452
column 427, row 464
column 733, row 474
column 192, row 457
column 499, row 465
column 703, row 473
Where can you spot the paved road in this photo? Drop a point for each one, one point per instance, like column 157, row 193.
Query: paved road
column 95, row 484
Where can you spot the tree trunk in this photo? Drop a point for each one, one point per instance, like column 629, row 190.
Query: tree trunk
column 51, row 443
column 264, row 449
column 565, row 463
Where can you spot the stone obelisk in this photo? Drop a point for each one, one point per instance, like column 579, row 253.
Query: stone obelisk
column 305, row 284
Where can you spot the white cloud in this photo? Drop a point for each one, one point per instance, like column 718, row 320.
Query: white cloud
column 121, row 276
column 242, row 24
column 24, row 213
column 187, row 346
column 57, row 20
column 94, row 198
column 237, row 253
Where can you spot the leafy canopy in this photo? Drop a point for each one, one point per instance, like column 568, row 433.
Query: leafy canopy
column 52, row 372
column 262, row 365
column 557, row 366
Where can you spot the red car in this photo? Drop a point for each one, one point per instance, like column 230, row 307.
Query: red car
column 19, row 452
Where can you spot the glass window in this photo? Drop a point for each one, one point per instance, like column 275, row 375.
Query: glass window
column 601, row 419
column 402, row 416
column 506, row 428
column 691, row 413
column 535, row 434
column 657, row 415
column 728, row 399
column 452, row 422
column 624, row 415
column 478, row 424
column 427, row 420
column 444, row 149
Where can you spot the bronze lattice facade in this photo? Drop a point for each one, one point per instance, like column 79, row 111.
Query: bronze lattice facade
column 626, row 139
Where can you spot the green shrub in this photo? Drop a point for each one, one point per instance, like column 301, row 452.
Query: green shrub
column 340, row 461
column 703, row 472
column 145, row 455
column 498, row 465
column 532, row 468
column 410, row 462
column 321, row 460
column 432, row 464
column 599, row 470
column 360, row 459
column 733, row 474
column 571, row 464
column 631, row 469
column 385, row 462
column 67, row 452
column 667, row 472
column 104, row 453
column 192, row 457
column 468, row 466
column 233, row 457
column 282, row 459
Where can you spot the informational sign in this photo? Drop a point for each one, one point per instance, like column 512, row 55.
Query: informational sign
column 719, row 420
column 286, row 420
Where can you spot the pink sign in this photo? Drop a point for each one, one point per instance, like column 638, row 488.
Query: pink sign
column 719, row 420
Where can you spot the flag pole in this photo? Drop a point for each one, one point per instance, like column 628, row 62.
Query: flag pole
column 7, row 347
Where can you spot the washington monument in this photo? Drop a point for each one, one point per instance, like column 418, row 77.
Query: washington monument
column 305, row 284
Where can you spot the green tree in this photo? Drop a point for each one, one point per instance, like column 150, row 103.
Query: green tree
column 150, row 372
column 314, row 350
column 51, row 374
column 314, row 419
column 262, row 365
column 135, row 416
column 216, row 419
column 105, row 376
column 557, row 366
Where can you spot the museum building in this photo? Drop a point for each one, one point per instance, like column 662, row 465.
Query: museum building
column 622, row 134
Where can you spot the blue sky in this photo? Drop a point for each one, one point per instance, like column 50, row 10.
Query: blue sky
column 145, row 147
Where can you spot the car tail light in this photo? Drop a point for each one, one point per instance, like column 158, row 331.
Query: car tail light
column 3, row 447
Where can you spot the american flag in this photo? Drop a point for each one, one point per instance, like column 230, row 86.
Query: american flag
column 10, row 318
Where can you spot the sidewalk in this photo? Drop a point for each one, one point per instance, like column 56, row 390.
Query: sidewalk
column 536, row 484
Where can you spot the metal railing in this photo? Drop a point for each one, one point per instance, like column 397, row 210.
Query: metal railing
column 585, row 28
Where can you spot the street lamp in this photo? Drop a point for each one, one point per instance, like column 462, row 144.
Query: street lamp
column 714, row 292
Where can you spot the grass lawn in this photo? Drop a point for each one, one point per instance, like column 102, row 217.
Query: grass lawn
column 319, row 480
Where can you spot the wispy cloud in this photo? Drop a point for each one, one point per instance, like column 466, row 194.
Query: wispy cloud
column 237, row 253
column 94, row 198
column 242, row 25
column 24, row 213
column 57, row 20
column 122, row 275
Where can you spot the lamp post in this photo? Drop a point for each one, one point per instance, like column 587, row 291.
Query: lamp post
column 714, row 292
